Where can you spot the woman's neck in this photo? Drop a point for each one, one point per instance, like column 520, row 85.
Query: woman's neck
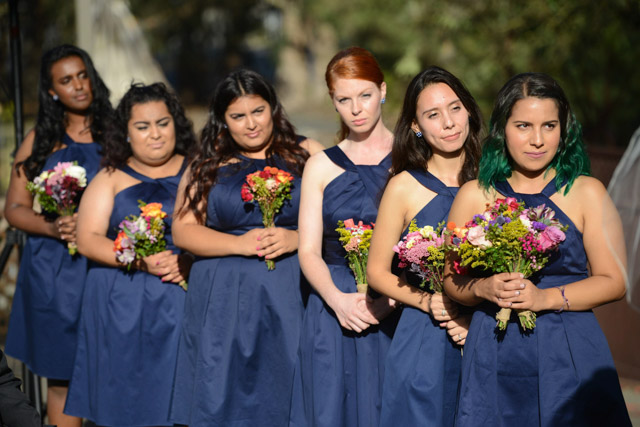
column 446, row 168
column 530, row 182
column 369, row 147
column 78, row 126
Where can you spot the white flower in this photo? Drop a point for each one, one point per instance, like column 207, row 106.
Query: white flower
column 79, row 173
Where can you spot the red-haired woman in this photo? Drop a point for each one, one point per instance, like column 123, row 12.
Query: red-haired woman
column 344, row 337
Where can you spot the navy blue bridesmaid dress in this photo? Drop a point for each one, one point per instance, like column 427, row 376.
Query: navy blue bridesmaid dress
column 129, row 328
column 242, row 322
column 561, row 373
column 423, row 364
column 339, row 372
column 46, row 306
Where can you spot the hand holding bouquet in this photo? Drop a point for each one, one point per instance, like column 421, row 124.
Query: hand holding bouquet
column 356, row 240
column 423, row 251
column 269, row 188
column 142, row 235
column 509, row 238
column 58, row 191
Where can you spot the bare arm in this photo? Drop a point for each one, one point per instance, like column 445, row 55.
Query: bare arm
column 394, row 215
column 347, row 306
column 19, row 204
column 588, row 205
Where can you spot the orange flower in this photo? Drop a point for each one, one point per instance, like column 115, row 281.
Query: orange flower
column 153, row 210
column 117, row 245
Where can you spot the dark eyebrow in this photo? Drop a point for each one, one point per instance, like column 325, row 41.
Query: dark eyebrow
column 448, row 105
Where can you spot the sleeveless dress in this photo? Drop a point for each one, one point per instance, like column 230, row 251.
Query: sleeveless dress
column 423, row 364
column 46, row 306
column 561, row 373
column 339, row 372
column 242, row 322
column 129, row 328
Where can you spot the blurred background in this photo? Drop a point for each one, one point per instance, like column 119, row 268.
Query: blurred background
column 590, row 47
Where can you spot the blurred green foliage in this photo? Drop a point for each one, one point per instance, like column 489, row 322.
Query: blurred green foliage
column 591, row 47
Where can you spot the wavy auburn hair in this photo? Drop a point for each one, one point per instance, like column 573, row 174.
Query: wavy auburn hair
column 571, row 159
column 217, row 147
column 411, row 152
column 51, row 122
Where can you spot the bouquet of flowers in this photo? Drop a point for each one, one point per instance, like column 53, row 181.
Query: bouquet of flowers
column 142, row 235
column 58, row 191
column 356, row 240
column 269, row 188
column 423, row 250
column 509, row 238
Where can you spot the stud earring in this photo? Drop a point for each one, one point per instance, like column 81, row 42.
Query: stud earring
column 419, row 134
column 128, row 139
column 224, row 126
column 55, row 97
column 383, row 100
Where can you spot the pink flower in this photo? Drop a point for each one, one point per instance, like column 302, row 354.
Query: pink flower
column 550, row 237
column 348, row 223
column 476, row 236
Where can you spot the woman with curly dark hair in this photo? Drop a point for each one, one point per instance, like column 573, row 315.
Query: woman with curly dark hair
column 436, row 149
column 73, row 113
column 242, row 322
column 130, row 322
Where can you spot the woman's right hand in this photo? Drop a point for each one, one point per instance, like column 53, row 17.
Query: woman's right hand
column 161, row 264
column 442, row 308
column 352, row 311
column 247, row 244
column 65, row 227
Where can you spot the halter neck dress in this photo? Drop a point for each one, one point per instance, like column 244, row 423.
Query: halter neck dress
column 339, row 372
column 129, row 328
column 561, row 373
column 44, row 317
column 423, row 364
column 242, row 322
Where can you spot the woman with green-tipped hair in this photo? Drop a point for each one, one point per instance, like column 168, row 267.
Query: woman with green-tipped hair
column 561, row 372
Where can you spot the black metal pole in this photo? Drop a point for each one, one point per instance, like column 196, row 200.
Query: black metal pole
column 31, row 382
column 16, row 62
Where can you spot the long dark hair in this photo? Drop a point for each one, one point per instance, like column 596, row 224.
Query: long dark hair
column 570, row 161
column 411, row 152
column 50, row 123
column 352, row 63
column 116, row 148
column 218, row 147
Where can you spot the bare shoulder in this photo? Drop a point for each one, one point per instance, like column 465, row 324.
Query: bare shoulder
column 587, row 187
column 475, row 193
column 312, row 146
column 26, row 147
column 402, row 184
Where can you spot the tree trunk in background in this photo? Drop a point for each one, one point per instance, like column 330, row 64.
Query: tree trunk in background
column 110, row 33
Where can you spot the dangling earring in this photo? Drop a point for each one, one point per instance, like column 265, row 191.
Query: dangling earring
column 55, row 97
column 419, row 134
column 336, row 109
column 383, row 100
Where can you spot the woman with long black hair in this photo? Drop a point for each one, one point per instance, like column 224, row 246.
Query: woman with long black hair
column 73, row 113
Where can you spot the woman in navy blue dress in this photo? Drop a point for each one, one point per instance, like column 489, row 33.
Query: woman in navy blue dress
column 73, row 113
column 131, row 318
column 345, row 334
column 242, row 322
column 561, row 372
column 435, row 150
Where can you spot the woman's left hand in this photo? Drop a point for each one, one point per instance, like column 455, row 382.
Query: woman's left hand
column 528, row 298
column 380, row 307
column 276, row 241
column 182, row 272
column 458, row 328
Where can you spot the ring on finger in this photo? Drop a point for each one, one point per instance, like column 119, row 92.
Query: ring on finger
column 444, row 312
column 459, row 337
